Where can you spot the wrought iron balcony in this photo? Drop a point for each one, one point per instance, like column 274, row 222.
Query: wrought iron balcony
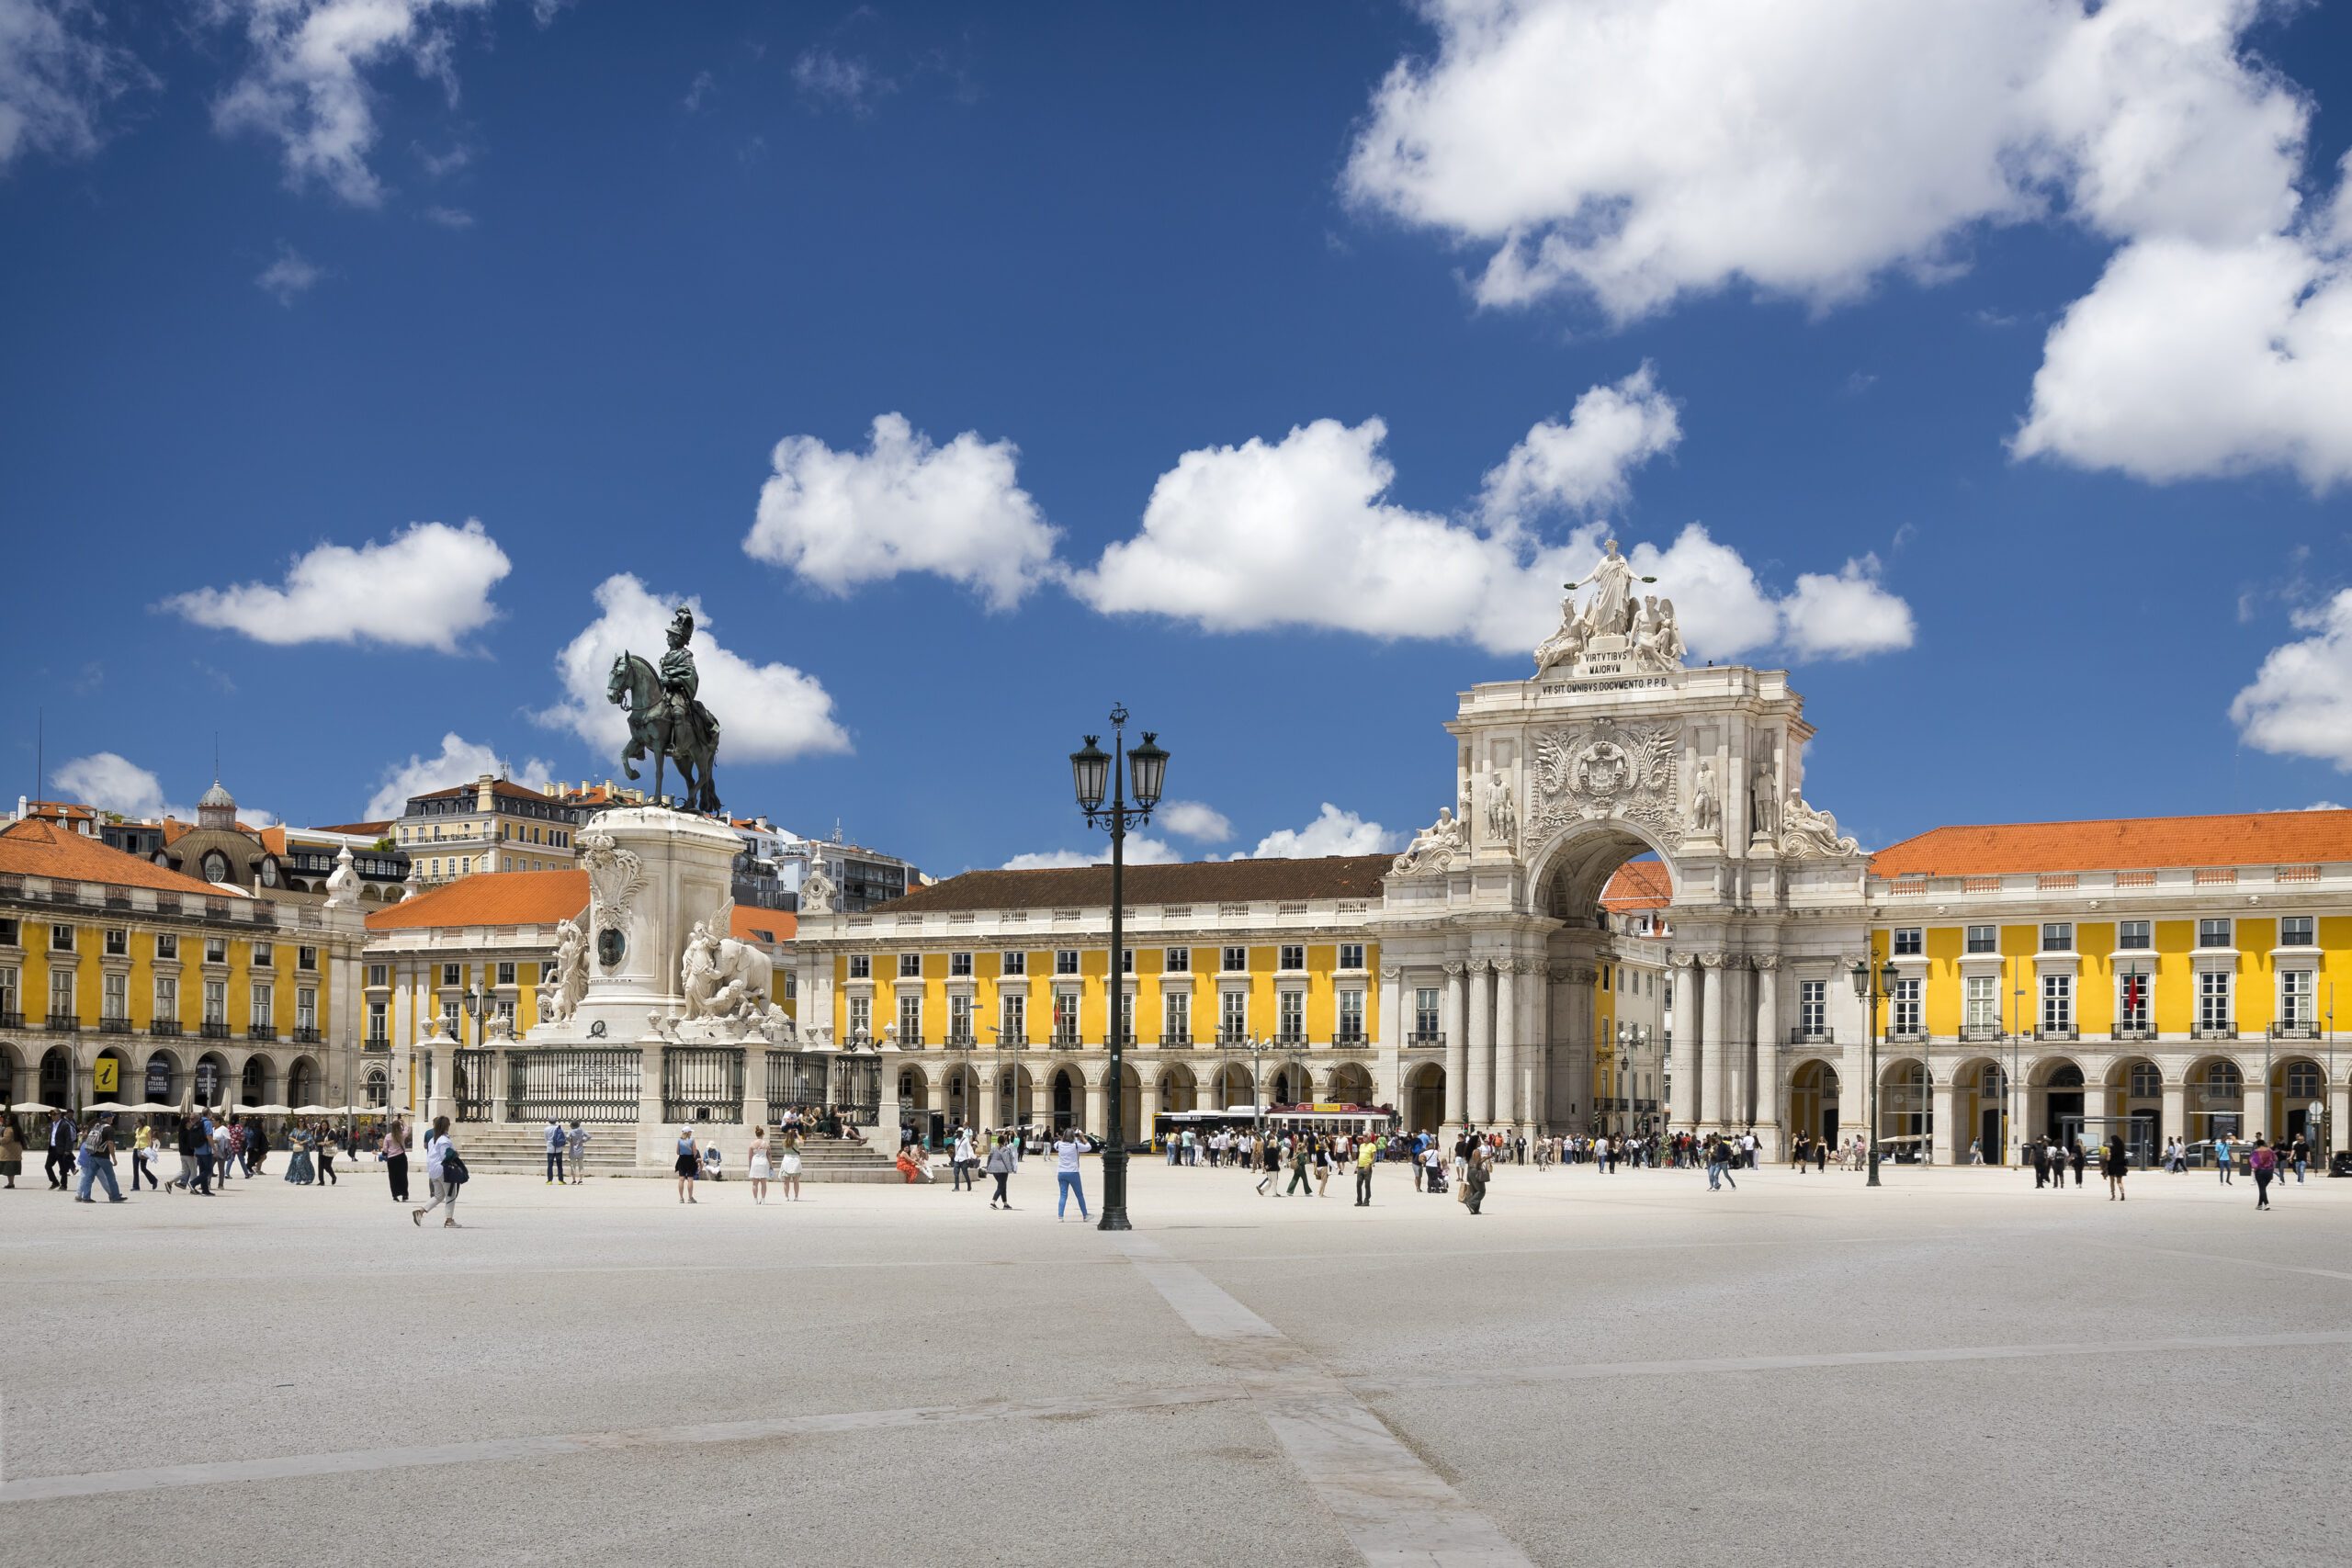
column 2294, row 1031
column 1350, row 1038
column 1291, row 1042
column 114, row 1026
column 2068, row 1032
column 2225, row 1029
column 1979, row 1032
column 962, row 1042
column 2128, row 1031
column 1233, row 1037
column 1012, row 1042
column 305, row 1036
column 1426, row 1037
column 63, row 1021
column 1906, row 1036
column 12, row 1019
column 262, row 1032
column 377, row 1043
column 1813, row 1037
column 214, row 1029
column 1066, row 1039
column 1181, row 1041
column 165, row 1028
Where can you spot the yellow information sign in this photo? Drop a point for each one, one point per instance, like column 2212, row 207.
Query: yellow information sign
column 105, row 1078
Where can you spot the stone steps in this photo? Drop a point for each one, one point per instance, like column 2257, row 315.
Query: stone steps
column 519, row 1149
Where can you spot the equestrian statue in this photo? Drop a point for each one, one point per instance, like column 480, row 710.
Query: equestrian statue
column 664, row 718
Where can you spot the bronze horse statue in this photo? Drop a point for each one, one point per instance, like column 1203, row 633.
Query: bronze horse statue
column 668, row 726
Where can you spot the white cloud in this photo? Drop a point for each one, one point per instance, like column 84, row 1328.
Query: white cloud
column 1142, row 850
column 2188, row 359
column 288, row 276
column 460, row 762
column 1845, row 615
column 112, row 783
column 1195, row 820
column 1635, row 151
column 1333, row 832
column 1585, row 463
column 426, row 587
column 766, row 712
column 701, row 88
column 2300, row 702
column 2325, row 805
column 306, row 86
column 449, row 217
column 826, row 79
column 57, row 75
column 1299, row 533
column 841, row 519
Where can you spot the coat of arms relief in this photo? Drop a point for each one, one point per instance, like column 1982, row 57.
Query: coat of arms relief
column 1611, row 771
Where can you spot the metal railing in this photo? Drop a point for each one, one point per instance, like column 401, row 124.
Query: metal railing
column 473, row 1078
column 1068, row 1039
column 214, row 1029
column 114, row 1026
column 1813, row 1037
column 12, row 1019
column 702, row 1083
column 2294, row 1031
column 1980, row 1033
column 2133, row 1031
column 857, row 1089
column 305, row 1035
column 797, row 1077
column 165, row 1028
column 2223, row 1031
column 62, row 1021
column 591, row 1084
column 1351, row 1037
column 262, row 1032
column 2068, row 1032
column 1426, row 1037
column 1183, row 1041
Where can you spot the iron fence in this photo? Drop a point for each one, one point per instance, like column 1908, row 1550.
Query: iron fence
column 702, row 1083
column 587, row 1085
column 857, row 1089
column 799, row 1078
column 473, row 1079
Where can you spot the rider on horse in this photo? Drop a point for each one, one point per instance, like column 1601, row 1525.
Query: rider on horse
column 689, row 721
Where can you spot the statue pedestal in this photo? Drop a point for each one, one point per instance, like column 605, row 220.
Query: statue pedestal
column 653, row 873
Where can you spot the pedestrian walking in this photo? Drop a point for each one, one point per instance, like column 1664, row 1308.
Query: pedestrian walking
column 788, row 1165
column 445, row 1173
column 142, row 1147
column 64, row 1139
column 2223, row 1157
column 558, row 1142
column 2113, row 1164
column 1478, row 1169
column 2077, row 1160
column 576, row 1144
column 960, row 1157
column 758, row 1165
column 97, row 1160
column 1067, row 1178
column 689, row 1164
column 1004, row 1160
column 11, row 1153
column 1366, row 1153
column 393, row 1152
column 1270, row 1157
column 326, row 1148
column 2264, row 1162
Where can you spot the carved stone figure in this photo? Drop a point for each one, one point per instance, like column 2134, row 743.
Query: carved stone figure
column 1566, row 645
column 1805, row 831
column 1611, row 583
column 817, row 890
column 570, row 973
column 1433, row 848
column 499, row 1026
column 1760, row 805
column 1502, row 811
column 614, row 876
column 1702, row 798
column 343, row 882
column 721, row 978
column 1611, row 771
column 665, row 717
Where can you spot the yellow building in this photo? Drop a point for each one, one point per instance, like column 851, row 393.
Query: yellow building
column 124, row 980
column 2165, row 977
column 987, row 995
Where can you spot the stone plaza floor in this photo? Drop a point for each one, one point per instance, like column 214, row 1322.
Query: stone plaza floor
column 1954, row 1368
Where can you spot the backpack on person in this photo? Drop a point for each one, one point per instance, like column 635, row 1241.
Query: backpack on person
column 453, row 1170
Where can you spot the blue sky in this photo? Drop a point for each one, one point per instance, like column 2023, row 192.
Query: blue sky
column 372, row 371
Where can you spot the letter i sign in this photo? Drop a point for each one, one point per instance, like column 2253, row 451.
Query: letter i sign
column 104, row 1079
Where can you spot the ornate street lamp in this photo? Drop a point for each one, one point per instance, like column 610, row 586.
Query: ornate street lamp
column 1147, row 770
column 1871, row 988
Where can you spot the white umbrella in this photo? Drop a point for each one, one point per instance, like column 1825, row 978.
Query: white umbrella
column 262, row 1110
column 315, row 1111
column 32, row 1107
column 154, row 1108
column 107, row 1105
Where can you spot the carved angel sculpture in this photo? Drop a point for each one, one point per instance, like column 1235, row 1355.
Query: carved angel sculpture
column 1807, row 832
column 571, row 972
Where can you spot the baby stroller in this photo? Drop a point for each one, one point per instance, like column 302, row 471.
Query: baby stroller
column 1434, row 1179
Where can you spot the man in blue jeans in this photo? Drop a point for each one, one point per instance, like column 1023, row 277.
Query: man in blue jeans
column 97, row 1160
column 1067, row 1148
column 556, row 1143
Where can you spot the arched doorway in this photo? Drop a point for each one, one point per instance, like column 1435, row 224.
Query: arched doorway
column 1813, row 1101
column 56, row 1077
column 1905, row 1121
column 1234, row 1088
column 2135, row 1092
column 111, row 1078
column 1598, row 1066
column 1351, row 1084
column 1425, row 1097
column 2061, row 1087
column 1131, row 1125
column 2216, row 1100
column 212, row 1078
column 252, row 1083
column 963, row 1096
column 160, row 1082
column 1178, row 1090
column 302, row 1082
column 376, row 1089
column 1016, row 1096
column 1981, row 1105
column 1068, row 1093
column 1291, row 1085
column 2297, row 1110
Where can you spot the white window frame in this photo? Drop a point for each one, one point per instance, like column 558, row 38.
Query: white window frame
column 2309, row 931
column 910, row 966
column 1067, row 962
column 2144, row 929
column 960, row 966
column 1992, row 940
column 2215, row 989
column 1351, row 955
column 1012, row 1016
column 2057, row 1003
column 1351, row 1014
column 1177, row 960
column 1233, row 1015
column 1175, row 1014
column 2057, row 936
column 1290, row 1014
column 1226, row 965
column 1812, row 1008
column 1908, row 942
column 1014, row 966
column 2221, row 926
column 1980, row 1003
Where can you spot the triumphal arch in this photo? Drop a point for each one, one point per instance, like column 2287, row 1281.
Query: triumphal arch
column 1616, row 749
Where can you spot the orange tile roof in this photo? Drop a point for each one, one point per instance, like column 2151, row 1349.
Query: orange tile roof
column 34, row 848
column 539, row 898
column 2140, row 843
column 356, row 829
column 1638, row 884
column 1191, row 882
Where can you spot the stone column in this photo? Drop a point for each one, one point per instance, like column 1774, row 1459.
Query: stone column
column 2257, row 1110
column 1391, row 1033
column 986, row 1109
column 2094, row 1107
column 1738, row 1051
column 2173, row 1119
column 2339, row 1112
column 1684, row 1098
column 1534, row 1043
column 1506, row 983
column 1093, row 1111
column 1769, row 1089
column 1712, row 1080
column 1147, row 1104
column 756, row 1084
column 1944, row 1100
column 1479, row 1103
column 1457, row 1047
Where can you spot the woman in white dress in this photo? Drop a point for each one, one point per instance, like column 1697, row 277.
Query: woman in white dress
column 788, row 1165
column 759, row 1164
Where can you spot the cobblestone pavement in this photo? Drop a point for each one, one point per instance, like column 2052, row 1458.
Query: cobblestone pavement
column 1954, row 1368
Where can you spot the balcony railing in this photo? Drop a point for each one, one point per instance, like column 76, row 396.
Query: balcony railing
column 305, row 1035
column 2225, row 1029
column 1813, row 1037
column 1351, row 1037
column 1066, row 1039
column 165, row 1028
column 1012, row 1042
column 2133, row 1031
column 11, row 1018
column 1291, row 1042
column 1233, row 1037
column 2067, row 1033
column 62, row 1021
column 1906, row 1036
column 114, row 1026
column 1181, row 1040
column 962, row 1042
column 2294, row 1031
column 214, row 1029
column 1426, row 1037
column 377, row 1043
column 262, row 1032
column 1980, row 1032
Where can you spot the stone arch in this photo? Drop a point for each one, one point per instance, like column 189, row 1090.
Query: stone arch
column 1906, row 1108
column 159, row 1076
column 1290, row 1082
column 959, row 1093
column 1350, row 1083
column 1566, row 876
column 1179, row 1090
column 2054, row 1094
column 255, row 1080
column 2297, row 1083
column 304, row 1083
column 376, row 1086
column 1065, row 1094
column 1232, row 1083
column 1016, row 1095
column 1424, row 1104
column 1813, row 1098
column 212, row 1078
column 2216, row 1085
column 910, row 1086
column 56, row 1077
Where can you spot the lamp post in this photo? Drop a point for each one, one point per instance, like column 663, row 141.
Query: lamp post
column 1147, row 770
column 1872, row 988
column 2017, row 1061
